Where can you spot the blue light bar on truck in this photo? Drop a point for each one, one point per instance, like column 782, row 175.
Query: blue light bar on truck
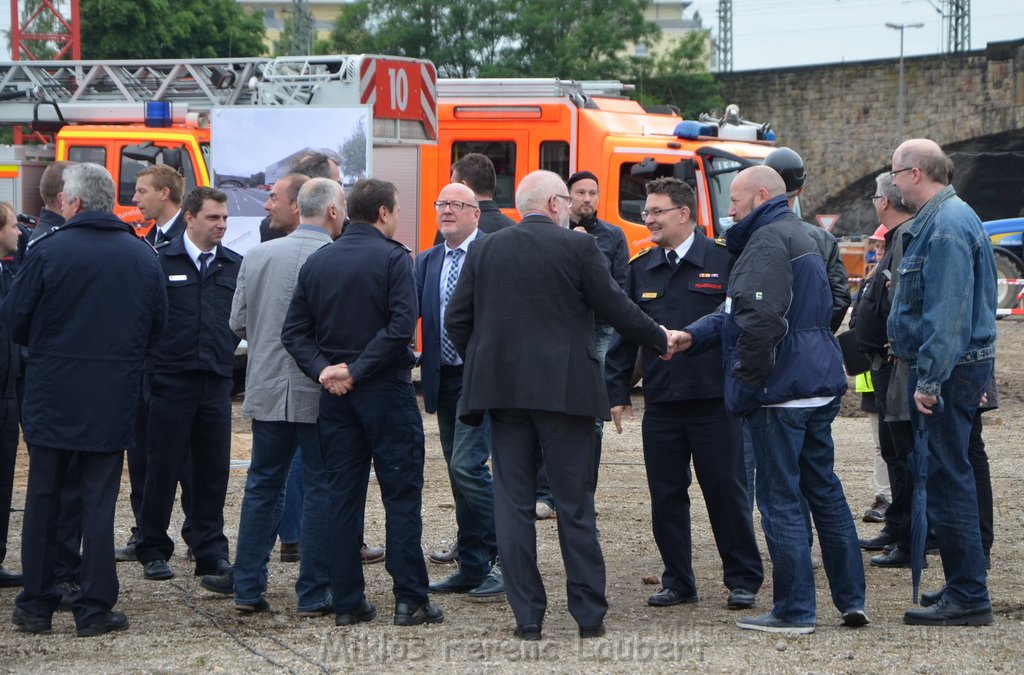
column 158, row 113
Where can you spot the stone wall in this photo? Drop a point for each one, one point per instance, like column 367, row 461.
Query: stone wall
column 843, row 118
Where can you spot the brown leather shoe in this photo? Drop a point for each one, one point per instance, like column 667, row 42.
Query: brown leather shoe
column 289, row 552
column 371, row 554
column 445, row 557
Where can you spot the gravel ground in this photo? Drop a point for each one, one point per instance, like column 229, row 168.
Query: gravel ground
column 178, row 627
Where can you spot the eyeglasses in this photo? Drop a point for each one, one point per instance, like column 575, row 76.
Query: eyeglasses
column 874, row 197
column 892, row 174
column 455, row 206
column 565, row 197
column 656, row 212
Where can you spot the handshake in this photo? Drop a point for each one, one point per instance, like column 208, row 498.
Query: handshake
column 337, row 379
column 678, row 341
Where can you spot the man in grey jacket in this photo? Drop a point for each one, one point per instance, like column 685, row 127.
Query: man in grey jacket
column 283, row 405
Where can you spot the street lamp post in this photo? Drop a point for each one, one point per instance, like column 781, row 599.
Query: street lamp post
column 901, row 27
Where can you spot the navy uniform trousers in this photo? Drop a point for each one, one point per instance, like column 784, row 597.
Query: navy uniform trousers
column 189, row 421
column 672, row 434
column 379, row 420
column 99, row 475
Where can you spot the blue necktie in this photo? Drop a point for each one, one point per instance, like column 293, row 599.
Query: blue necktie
column 449, row 356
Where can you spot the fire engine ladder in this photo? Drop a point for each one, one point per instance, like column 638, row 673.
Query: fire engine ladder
column 523, row 87
column 113, row 92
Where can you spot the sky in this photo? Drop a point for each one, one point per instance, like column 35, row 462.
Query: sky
column 779, row 33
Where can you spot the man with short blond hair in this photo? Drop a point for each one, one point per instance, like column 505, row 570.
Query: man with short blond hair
column 158, row 193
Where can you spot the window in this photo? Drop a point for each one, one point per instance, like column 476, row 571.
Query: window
column 721, row 173
column 135, row 158
column 87, row 154
column 554, row 156
column 632, row 195
column 503, row 155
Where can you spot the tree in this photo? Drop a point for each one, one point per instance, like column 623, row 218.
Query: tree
column 353, row 153
column 169, row 29
column 490, row 38
column 298, row 32
column 679, row 77
column 573, row 39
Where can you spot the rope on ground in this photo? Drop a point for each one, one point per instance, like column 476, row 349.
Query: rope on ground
column 186, row 599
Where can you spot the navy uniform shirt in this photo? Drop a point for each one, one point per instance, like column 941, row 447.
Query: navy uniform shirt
column 673, row 297
column 355, row 303
column 198, row 338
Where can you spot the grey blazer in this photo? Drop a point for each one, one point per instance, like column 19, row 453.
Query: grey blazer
column 275, row 389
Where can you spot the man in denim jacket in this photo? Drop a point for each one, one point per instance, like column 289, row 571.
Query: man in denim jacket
column 942, row 324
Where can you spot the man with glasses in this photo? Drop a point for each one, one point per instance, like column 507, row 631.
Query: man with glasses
column 942, row 324
column 522, row 317
column 466, row 448
column 678, row 280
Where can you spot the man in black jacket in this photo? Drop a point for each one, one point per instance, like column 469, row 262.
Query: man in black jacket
column 190, row 400
column 679, row 280
column 10, row 365
column 87, row 303
column 349, row 327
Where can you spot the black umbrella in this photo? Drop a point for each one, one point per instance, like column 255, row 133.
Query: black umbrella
column 918, row 465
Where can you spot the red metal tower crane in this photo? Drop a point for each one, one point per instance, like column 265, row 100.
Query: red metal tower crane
column 38, row 27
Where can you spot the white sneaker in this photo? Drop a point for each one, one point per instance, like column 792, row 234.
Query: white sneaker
column 544, row 511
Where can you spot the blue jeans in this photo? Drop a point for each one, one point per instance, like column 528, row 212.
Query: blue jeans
column 750, row 464
column 291, row 517
column 466, row 450
column 795, row 457
column 952, row 495
column 273, row 448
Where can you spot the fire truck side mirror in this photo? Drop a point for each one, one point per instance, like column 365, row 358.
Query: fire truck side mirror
column 686, row 171
column 644, row 169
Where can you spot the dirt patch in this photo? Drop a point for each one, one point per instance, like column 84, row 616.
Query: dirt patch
column 177, row 626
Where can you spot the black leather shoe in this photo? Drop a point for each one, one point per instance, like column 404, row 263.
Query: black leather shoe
column 897, row 557
column 946, row 613
column 457, row 582
column 407, row 614
column 587, row 632
column 529, row 632
column 366, row 612
column 929, row 598
column 218, row 568
column 106, row 623
column 445, row 557
column 260, row 606
column 219, row 583
column 30, row 622
column 69, row 590
column 492, row 588
column 667, row 597
column 157, row 570
column 9, row 579
column 740, row 598
column 877, row 543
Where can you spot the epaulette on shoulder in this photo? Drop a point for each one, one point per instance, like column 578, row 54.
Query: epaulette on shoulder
column 33, row 242
column 642, row 253
column 720, row 241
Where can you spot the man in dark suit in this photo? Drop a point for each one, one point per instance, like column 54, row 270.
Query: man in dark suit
column 522, row 317
column 51, row 184
column 190, row 399
column 349, row 327
column 87, row 303
column 466, row 448
column 158, row 193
